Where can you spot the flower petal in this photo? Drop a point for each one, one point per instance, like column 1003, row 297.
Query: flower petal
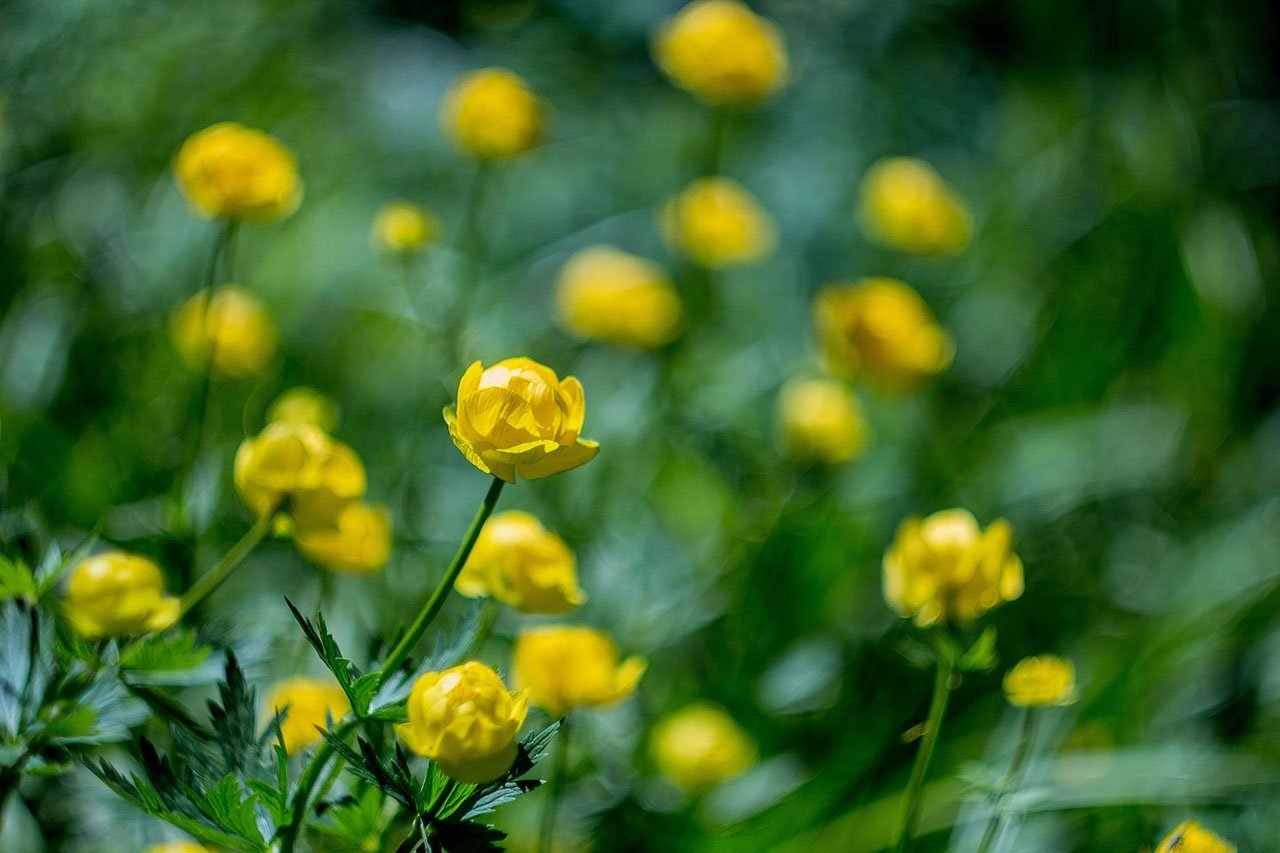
column 568, row 456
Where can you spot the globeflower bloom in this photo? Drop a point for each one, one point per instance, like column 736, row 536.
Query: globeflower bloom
column 605, row 294
column 304, row 405
column 565, row 667
column 358, row 541
column 521, row 563
column 820, row 421
column 308, row 703
column 880, row 329
column 1191, row 837
column 465, row 720
column 717, row 223
column 721, row 52
column 1036, row 682
column 700, row 746
column 518, row 417
column 301, row 465
column 403, row 228
column 946, row 568
column 905, row 205
column 492, row 114
column 229, row 171
column 114, row 594
column 228, row 332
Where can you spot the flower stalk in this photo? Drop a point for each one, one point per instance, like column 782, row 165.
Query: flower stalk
column 547, row 830
column 909, row 815
column 1026, row 736
column 215, row 577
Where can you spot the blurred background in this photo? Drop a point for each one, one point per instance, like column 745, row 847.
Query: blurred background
column 1113, row 394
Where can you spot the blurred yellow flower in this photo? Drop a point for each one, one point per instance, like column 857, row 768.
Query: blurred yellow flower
column 722, row 52
column 465, row 720
column 233, row 172
column 227, row 331
column 358, row 541
column 700, row 746
column 565, row 667
column 946, row 568
column 404, row 228
column 606, row 294
column 114, row 594
column 717, row 223
column 518, row 417
column 300, row 464
column 820, row 420
column 880, row 329
column 905, row 205
column 307, row 703
column 521, row 563
column 178, row 847
column 1035, row 682
column 304, row 405
column 492, row 114
column 1191, row 837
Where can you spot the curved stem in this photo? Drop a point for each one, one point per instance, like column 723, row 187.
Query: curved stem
column 310, row 776
column 909, row 816
column 548, row 830
column 211, row 580
column 1020, row 753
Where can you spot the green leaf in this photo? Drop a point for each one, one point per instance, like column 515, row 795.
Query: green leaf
column 468, row 838
column 234, row 721
column 981, row 656
column 353, row 819
column 165, row 659
column 346, row 673
column 17, row 581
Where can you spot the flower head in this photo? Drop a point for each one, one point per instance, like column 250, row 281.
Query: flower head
column 465, row 720
column 308, row 703
column 1190, row 837
column 820, row 421
column 1039, row 681
column 606, row 294
column 905, row 205
column 946, row 568
column 717, row 223
column 114, row 594
column 521, row 563
column 404, row 228
column 880, row 329
column 518, row 417
column 298, row 463
column 565, row 667
column 233, row 172
column 227, row 331
column 357, row 541
column 700, row 746
column 304, row 405
column 722, row 52
column 492, row 114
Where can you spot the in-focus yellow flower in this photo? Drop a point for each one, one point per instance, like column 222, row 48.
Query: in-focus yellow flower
column 717, row 223
column 492, row 114
column 304, row 405
column 565, row 667
column 404, row 228
column 300, row 464
column 1191, row 837
column 880, row 329
column 518, row 417
column 114, row 594
column 1035, row 682
column 722, row 52
column 358, row 541
column 308, row 703
column 465, row 720
column 946, row 568
column 233, row 172
column 178, row 847
column 521, row 563
column 605, row 294
column 228, row 331
column 905, row 205
column 700, row 746
column 820, row 421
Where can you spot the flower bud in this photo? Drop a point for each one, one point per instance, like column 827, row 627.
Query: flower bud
column 1190, row 837
column 820, row 421
column 717, row 223
column 1035, row 682
column 521, row 563
column 492, row 114
column 721, row 52
column 565, row 667
column 701, row 746
column 905, row 205
column 178, row 847
column 403, row 228
column 114, row 594
column 227, row 331
column 605, row 294
column 232, row 172
column 304, row 405
column 308, row 703
column 358, row 541
column 298, row 463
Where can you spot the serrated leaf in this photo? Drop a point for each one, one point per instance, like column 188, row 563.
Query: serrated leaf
column 233, row 719
column 344, row 671
column 17, row 581
column 500, row 796
column 468, row 838
column 353, row 819
column 150, row 659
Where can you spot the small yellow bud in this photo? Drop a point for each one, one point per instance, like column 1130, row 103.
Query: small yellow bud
column 1191, row 837
column 905, row 205
column 721, row 52
column 820, row 421
column 304, row 405
column 717, row 223
column 403, row 228
column 565, row 667
column 492, row 114
column 227, row 331
column 301, row 464
column 358, row 541
column 178, row 847
column 1040, row 681
column 307, row 703
column 605, row 294
column 521, row 563
column 701, row 746
column 114, row 594
column 232, row 172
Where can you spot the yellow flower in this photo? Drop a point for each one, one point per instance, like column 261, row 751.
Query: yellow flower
column 304, row 405
column 606, row 294
column 404, row 228
column 114, row 594
column 358, row 541
column 717, row 223
column 307, row 703
column 880, row 329
column 233, row 172
column 565, row 667
column 521, row 563
column 227, row 331
column 518, row 417
column 820, row 421
column 945, row 567
column 299, row 463
column 700, row 746
column 1039, row 681
column 465, row 720
column 905, row 205
column 178, row 847
column 492, row 114
column 722, row 53
column 1191, row 837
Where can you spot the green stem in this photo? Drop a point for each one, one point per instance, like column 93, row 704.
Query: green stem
column 1020, row 753
column 548, row 830
column 214, row 578
column 909, row 816
column 310, row 776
